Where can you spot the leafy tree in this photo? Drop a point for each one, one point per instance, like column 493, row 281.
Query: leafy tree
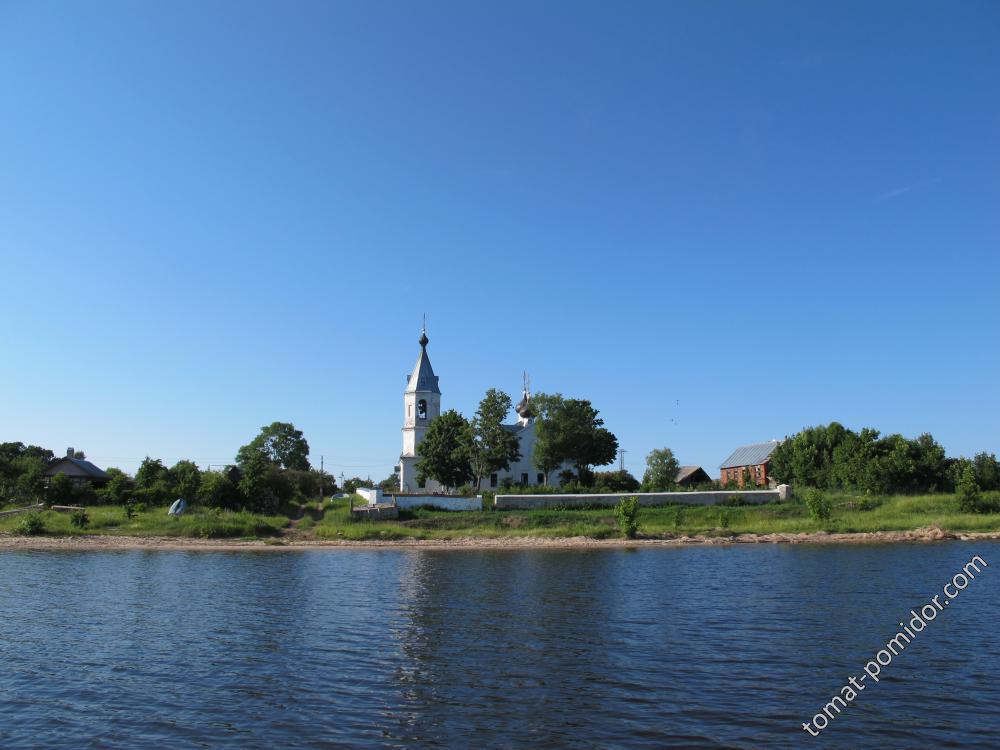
column 60, row 490
column 21, row 470
column 30, row 483
column 152, row 482
column 569, row 430
column 259, row 485
column 390, row 483
column 218, row 490
column 119, row 486
column 278, row 443
column 661, row 470
column 491, row 447
column 987, row 470
column 444, row 451
column 616, row 481
column 151, row 471
column 185, row 479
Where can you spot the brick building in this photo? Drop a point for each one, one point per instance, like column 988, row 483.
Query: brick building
column 754, row 458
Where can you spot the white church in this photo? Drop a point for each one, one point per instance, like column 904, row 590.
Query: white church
column 422, row 404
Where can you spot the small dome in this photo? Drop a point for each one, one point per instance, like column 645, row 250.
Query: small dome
column 423, row 338
column 523, row 407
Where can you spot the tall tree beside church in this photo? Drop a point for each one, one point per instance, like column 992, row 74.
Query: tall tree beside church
column 568, row 429
column 444, row 451
column 491, row 447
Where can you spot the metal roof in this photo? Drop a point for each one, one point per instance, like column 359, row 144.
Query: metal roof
column 423, row 378
column 750, row 455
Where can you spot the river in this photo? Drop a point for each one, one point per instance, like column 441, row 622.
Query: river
column 729, row 646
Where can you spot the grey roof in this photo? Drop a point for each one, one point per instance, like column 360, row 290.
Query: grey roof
column 750, row 455
column 81, row 464
column 423, row 378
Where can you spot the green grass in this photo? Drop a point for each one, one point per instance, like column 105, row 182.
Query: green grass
column 111, row 520
column 850, row 514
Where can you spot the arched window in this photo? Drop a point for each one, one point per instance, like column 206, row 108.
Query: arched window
column 421, row 409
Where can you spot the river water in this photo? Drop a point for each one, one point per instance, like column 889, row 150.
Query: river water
column 640, row 648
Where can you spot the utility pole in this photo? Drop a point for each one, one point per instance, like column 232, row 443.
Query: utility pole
column 621, row 459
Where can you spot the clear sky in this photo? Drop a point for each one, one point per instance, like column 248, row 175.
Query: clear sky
column 719, row 221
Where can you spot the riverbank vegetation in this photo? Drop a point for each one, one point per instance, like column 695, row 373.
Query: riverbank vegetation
column 331, row 520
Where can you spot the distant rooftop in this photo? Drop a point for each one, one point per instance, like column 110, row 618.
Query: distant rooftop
column 750, row 455
column 82, row 464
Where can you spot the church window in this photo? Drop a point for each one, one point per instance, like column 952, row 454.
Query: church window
column 524, row 479
column 421, row 409
column 540, row 479
column 493, row 480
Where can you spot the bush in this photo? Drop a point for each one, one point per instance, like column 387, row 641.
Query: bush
column 31, row 525
column 79, row 519
column 626, row 512
column 968, row 491
column 818, row 505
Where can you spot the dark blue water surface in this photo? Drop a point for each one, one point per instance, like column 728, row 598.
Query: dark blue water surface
column 667, row 647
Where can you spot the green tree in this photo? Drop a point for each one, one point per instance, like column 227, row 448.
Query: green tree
column 390, row 484
column 444, row 451
column 218, row 490
column 987, row 470
column 259, row 484
column 278, row 443
column 151, row 471
column 569, row 430
column 661, row 470
column 491, row 447
column 185, row 479
column 59, row 491
column 117, row 490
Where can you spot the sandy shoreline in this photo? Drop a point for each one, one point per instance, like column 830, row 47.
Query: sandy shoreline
column 100, row 542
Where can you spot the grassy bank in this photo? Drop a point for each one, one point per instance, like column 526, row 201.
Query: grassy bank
column 332, row 521
column 112, row 520
column 850, row 514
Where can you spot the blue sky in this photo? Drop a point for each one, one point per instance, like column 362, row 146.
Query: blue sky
column 720, row 222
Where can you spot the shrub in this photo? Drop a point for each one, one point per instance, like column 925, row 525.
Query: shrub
column 818, row 505
column 79, row 519
column 968, row 491
column 626, row 512
column 723, row 519
column 31, row 524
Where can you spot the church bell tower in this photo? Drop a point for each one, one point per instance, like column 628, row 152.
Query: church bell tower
column 421, row 405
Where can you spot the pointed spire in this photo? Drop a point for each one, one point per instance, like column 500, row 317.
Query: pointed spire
column 423, row 378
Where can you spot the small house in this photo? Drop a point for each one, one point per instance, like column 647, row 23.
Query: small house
column 79, row 470
column 690, row 476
